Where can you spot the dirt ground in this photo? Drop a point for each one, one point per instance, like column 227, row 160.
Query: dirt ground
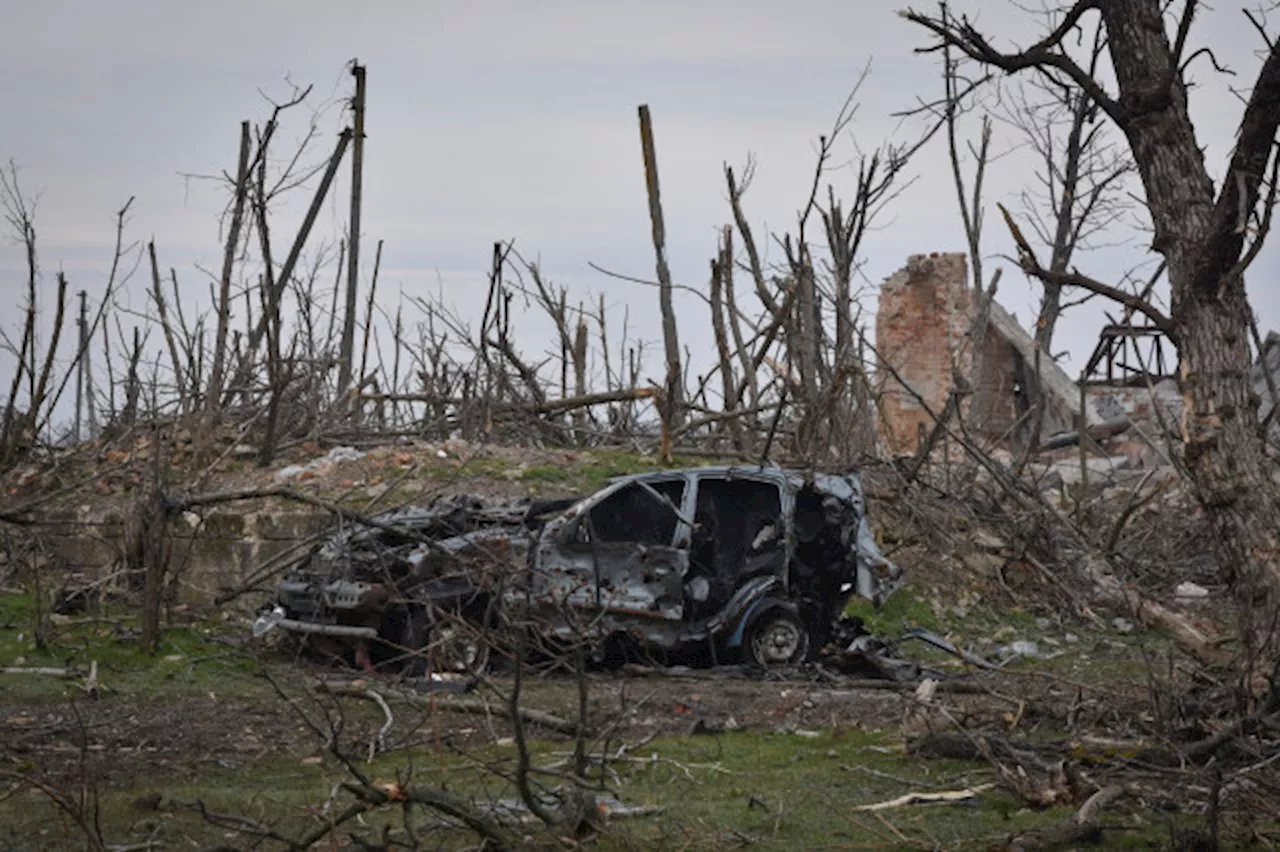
column 204, row 721
column 124, row 738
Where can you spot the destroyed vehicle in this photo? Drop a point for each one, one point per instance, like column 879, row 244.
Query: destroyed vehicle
column 730, row 564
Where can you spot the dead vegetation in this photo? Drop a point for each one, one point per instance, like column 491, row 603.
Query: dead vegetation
column 1161, row 694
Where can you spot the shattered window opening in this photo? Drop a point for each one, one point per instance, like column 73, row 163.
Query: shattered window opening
column 634, row 515
column 823, row 538
column 737, row 533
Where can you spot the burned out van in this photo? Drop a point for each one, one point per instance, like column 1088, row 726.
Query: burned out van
column 730, row 564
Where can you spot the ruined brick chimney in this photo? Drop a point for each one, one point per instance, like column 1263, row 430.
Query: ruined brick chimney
column 921, row 326
column 926, row 315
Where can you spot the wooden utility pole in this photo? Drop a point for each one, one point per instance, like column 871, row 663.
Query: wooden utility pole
column 673, row 401
column 353, row 241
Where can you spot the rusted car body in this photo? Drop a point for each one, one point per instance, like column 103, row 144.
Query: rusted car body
column 726, row 563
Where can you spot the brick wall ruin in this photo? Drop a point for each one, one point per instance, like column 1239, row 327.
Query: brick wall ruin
column 921, row 327
column 925, row 319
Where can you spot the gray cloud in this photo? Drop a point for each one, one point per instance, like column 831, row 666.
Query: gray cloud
column 513, row 120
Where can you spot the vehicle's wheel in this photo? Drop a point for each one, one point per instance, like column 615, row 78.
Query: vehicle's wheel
column 777, row 638
column 458, row 647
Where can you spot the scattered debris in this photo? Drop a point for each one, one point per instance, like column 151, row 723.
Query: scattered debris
column 319, row 467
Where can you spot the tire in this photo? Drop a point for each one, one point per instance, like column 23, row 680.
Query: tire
column 777, row 638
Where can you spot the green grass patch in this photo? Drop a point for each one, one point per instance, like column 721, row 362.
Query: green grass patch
column 904, row 610
column 186, row 656
column 769, row 790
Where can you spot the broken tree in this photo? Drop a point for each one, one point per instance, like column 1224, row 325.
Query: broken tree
column 1201, row 234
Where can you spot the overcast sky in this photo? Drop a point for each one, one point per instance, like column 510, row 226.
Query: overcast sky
column 497, row 120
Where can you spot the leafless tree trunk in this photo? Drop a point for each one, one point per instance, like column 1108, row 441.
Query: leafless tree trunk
column 228, row 267
column 368, row 312
column 673, row 399
column 151, row 527
column 157, row 295
column 1202, row 235
column 722, row 269
column 1080, row 192
column 346, row 351
column 291, row 261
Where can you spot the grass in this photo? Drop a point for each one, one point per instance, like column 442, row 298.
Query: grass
column 185, row 658
column 904, row 610
column 770, row 789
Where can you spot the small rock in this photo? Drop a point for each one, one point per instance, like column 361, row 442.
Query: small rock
column 1071, row 638
column 1122, row 625
column 1021, row 648
column 987, row 541
column 242, row 450
column 286, row 473
column 1189, row 590
column 457, row 447
column 832, row 753
column 1043, row 624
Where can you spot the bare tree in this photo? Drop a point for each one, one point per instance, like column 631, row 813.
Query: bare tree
column 353, row 242
column 241, row 193
column 673, row 400
column 1078, row 195
column 1207, row 236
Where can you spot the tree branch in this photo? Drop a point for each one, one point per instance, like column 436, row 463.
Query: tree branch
column 1254, row 143
column 1039, row 56
column 1031, row 266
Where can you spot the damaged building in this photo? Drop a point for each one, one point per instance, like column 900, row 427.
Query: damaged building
column 935, row 338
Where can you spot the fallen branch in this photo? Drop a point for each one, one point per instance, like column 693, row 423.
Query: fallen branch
column 379, row 744
column 358, row 689
column 1108, row 589
column 39, row 670
column 928, row 798
column 1084, row 826
column 553, row 406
